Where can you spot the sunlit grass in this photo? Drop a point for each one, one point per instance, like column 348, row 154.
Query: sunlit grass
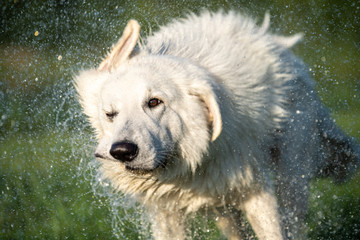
column 349, row 121
column 43, row 194
column 334, row 210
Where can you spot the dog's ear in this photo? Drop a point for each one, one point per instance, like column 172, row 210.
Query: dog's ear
column 123, row 48
column 207, row 95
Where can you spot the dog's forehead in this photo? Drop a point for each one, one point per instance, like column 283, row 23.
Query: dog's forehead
column 125, row 83
column 118, row 89
column 136, row 75
column 136, row 82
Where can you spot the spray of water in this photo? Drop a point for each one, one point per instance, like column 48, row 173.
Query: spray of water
column 50, row 186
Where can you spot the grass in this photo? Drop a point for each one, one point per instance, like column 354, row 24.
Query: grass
column 334, row 210
column 43, row 195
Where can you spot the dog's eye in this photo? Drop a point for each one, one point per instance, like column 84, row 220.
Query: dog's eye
column 111, row 115
column 154, row 102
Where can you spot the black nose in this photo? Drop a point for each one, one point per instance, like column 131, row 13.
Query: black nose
column 124, row 151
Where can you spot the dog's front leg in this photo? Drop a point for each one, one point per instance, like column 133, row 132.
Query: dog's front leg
column 230, row 221
column 261, row 210
column 167, row 224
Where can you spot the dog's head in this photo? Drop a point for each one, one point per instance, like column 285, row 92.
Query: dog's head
column 149, row 111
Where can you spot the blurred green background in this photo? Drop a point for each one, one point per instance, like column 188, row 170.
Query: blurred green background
column 48, row 186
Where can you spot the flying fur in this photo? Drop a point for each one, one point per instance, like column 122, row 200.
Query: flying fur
column 239, row 128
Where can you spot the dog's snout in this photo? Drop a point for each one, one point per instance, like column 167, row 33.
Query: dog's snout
column 124, row 151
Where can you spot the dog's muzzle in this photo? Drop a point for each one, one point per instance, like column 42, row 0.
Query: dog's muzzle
column 124, row 151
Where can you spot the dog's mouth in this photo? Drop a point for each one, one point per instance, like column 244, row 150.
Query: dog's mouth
column 140, row 167
column 142, row 171
column 138, row 171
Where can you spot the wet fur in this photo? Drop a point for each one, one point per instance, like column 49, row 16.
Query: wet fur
column 241, row 129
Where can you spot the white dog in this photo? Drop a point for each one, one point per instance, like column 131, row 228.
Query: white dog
column 213, row 112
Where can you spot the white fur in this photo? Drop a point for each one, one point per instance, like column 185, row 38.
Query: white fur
column 239, row 122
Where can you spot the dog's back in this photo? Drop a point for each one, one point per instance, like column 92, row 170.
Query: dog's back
column 221, row 44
